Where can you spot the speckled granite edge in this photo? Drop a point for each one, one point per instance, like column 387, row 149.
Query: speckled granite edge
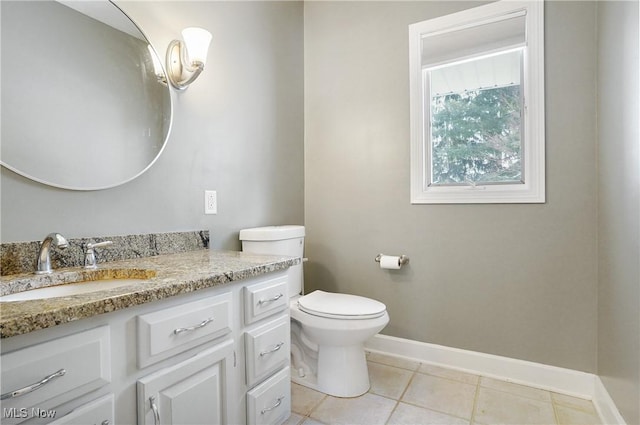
column 20, row 257
column 174, row 274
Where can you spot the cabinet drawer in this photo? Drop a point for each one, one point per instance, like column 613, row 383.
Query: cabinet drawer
column 270, row 402
column 173, row 330
column 55, row 371
column 97, row 412
column 267, row 349
column 265, row 298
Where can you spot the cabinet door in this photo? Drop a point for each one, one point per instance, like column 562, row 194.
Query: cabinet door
column 195, row 391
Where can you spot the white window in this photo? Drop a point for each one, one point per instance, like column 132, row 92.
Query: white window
column 477, row 106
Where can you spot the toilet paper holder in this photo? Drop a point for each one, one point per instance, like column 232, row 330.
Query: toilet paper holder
column 402, row 260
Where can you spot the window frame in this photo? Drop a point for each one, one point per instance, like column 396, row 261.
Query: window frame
column 532, row 190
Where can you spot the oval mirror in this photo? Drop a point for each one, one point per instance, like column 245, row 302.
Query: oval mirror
column 83, row 106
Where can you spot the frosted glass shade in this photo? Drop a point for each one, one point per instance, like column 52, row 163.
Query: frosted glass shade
column 197, row 42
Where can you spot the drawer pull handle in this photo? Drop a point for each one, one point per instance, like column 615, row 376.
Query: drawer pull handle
column 202, row 324
column 32, row 387
column 270, row 300
column 273, row 350
column 268, row 409
column 154, row 408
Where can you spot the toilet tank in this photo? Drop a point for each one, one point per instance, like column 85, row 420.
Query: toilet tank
column 278, row 240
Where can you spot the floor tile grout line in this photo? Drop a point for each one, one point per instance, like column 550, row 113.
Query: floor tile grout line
column 555, row 413
column 392, row 412
column 313, row 409
column 475, row 403
column 401, row 395
column 407, row 386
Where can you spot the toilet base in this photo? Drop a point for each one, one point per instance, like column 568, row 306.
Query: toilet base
column 342, row 371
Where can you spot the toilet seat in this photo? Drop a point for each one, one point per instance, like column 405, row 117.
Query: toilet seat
column 340, row 306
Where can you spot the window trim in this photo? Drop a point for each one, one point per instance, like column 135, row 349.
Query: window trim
column 533, row 188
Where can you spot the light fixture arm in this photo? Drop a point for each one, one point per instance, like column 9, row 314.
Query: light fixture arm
column 177, row 61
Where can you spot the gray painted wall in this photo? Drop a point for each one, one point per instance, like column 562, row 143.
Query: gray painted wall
column 237, row 130
column 513, row 280
column 619, row 206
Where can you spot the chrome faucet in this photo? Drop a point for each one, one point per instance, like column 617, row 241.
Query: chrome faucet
column 44, row 260
column 90, row 256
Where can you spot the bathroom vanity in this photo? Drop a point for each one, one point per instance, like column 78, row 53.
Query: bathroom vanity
column 204, row 340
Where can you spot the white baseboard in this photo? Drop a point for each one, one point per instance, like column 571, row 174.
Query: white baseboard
column 605, row 406
column 551, row 378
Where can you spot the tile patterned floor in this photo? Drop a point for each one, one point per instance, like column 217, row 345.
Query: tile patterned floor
column 405, row 392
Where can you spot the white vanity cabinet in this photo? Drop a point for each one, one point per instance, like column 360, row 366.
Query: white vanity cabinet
column 213, row 356
column 267, row 344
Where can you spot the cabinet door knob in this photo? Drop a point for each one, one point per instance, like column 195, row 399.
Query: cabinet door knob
column 273, row 350
column 33, row 387
column 202, row 324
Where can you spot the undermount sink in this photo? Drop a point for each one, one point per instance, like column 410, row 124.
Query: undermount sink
column 101, row 281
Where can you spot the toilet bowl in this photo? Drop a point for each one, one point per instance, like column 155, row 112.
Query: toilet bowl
column 328, row 330
column 336, row 325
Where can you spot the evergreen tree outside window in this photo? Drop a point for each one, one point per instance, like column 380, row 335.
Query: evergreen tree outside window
column 476, row 130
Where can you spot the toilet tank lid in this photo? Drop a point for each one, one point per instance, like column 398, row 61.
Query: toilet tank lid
column 272, row 233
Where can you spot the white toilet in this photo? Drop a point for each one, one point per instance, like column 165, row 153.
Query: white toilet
column 328, row 330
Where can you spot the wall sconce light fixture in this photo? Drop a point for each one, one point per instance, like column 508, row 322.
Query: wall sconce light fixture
column 186, row 59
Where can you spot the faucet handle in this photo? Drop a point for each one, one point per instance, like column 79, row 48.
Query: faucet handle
column 98, row 244
column 90, row 256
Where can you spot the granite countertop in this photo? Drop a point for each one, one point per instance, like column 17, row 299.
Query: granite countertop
column 161, row 277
